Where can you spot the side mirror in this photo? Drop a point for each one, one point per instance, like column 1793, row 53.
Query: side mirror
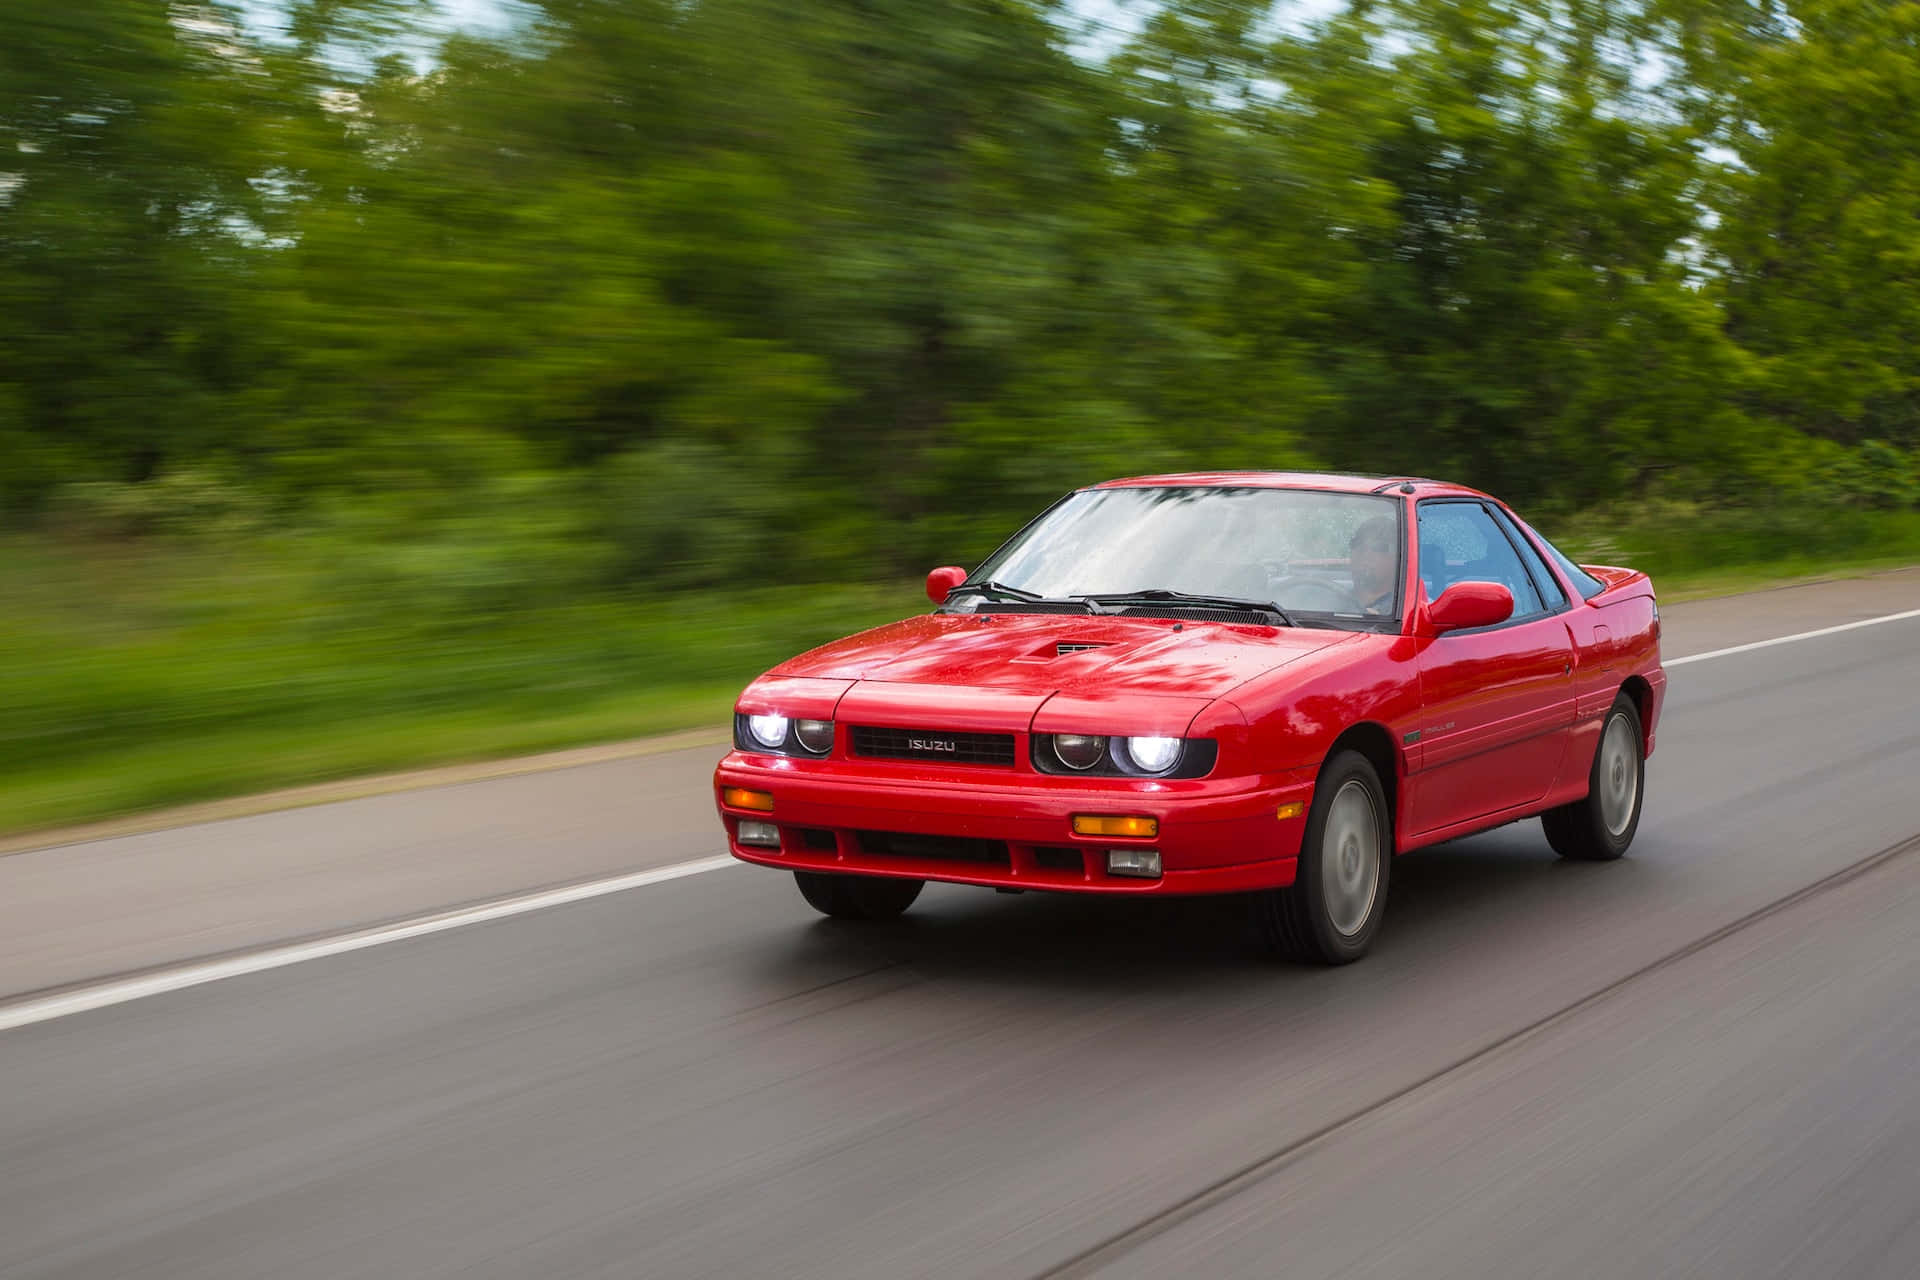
column 943, row 580
column 1469, row 604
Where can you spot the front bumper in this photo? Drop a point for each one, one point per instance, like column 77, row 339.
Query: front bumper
column 1015, row 829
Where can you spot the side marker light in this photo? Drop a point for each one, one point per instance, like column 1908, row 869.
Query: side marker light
column 1086, row 824
column 1291, row 810
column 741, row 798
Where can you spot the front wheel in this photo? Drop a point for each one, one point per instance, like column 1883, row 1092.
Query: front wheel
column 1600, row 827
column 857, row 897
column 1339, row 893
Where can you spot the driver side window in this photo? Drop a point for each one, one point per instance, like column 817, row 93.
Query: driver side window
column 1459, row 542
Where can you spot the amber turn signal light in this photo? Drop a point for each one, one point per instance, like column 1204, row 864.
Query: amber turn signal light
column 1087, row 824
column 741, row 798
column 1292, row 810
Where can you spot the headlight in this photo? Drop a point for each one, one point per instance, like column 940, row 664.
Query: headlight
column 1147, row 756
column 769, row 731
column 815, row 735
column 1151, row 755
column 1079, row 750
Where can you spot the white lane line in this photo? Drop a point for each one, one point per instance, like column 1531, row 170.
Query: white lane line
column 79, row 1000
column 1802, row 635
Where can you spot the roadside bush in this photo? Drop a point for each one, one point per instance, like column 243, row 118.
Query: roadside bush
column 1683, row 537
column 188, row 502
column 1873, row 474
column 510, row 543
column 680, row 514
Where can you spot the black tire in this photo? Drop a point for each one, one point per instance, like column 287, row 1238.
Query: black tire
column 857, row 897
column 1591, row 829
column 1305, row 922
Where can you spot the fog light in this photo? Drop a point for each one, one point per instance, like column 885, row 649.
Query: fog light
column 1090, row 824
column 741, row 798
column 1144, row 863
column 763, row 834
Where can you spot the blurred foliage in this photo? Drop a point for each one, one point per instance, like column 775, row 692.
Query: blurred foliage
column 663, row 293
column 186, row 670
column 421, row 345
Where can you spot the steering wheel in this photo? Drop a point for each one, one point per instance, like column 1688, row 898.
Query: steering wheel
column 1288, row 593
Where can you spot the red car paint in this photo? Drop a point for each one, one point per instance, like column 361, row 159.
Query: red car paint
column 1479, row 728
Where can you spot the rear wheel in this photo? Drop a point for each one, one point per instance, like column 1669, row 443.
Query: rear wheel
column 1600, row 827
column 1339, row 893
column 857, row 897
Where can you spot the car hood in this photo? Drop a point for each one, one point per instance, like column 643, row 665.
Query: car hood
column 1042, row 654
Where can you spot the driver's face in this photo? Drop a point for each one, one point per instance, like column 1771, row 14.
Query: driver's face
column 1373, row 563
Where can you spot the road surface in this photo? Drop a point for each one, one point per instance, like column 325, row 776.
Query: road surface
column 1702, row 1060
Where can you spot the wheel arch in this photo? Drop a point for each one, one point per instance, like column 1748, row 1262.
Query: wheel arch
column 1637, row 688
column 1374, row 741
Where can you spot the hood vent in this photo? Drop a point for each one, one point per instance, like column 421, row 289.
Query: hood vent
column 1059, row 649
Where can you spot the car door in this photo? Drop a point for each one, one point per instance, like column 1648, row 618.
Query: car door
column 1497, row 702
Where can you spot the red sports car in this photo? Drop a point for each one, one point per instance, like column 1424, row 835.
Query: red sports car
column 1221, row 683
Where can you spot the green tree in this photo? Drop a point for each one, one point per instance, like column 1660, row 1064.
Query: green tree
column 1817, row 202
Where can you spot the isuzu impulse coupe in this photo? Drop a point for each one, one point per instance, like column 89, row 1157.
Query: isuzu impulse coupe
column 1222, row 683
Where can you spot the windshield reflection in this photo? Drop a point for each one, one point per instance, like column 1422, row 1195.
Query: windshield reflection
column 1335, row 557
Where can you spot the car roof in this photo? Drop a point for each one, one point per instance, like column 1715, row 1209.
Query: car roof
column 1326, row 481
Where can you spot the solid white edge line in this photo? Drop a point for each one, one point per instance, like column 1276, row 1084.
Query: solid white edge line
column 46, row 1008
column 1803, row 635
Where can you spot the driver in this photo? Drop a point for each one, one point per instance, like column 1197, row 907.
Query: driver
column 1374, row 559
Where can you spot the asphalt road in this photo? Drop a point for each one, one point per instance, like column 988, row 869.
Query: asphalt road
column 1698, row 1061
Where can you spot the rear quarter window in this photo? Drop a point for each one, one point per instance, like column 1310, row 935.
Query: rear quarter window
column 1583, row 582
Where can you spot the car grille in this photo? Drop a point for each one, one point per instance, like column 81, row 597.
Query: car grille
column 902, row 844
column 943, row 746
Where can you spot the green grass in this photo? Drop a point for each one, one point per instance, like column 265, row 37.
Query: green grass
column 1705, row 584
column 143, row 678
column 1691, row 551
column 148, row 675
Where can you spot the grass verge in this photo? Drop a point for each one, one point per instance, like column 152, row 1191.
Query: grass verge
column 146, row 678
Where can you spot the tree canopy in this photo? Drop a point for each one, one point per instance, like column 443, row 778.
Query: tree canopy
column 853, row 285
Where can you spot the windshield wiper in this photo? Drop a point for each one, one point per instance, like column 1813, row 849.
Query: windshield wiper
column 1166, row 595
column 1019, row 595
column 999, row 588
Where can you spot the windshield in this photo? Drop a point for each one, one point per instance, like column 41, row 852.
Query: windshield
column 1335, row 557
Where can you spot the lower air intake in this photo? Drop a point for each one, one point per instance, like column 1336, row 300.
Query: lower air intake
column 902, row 844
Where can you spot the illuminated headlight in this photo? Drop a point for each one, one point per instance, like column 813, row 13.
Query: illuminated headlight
column 1146, row 756
column 768, row 731
column 1151, row 755
column 814, row 735
column 1079, row 750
